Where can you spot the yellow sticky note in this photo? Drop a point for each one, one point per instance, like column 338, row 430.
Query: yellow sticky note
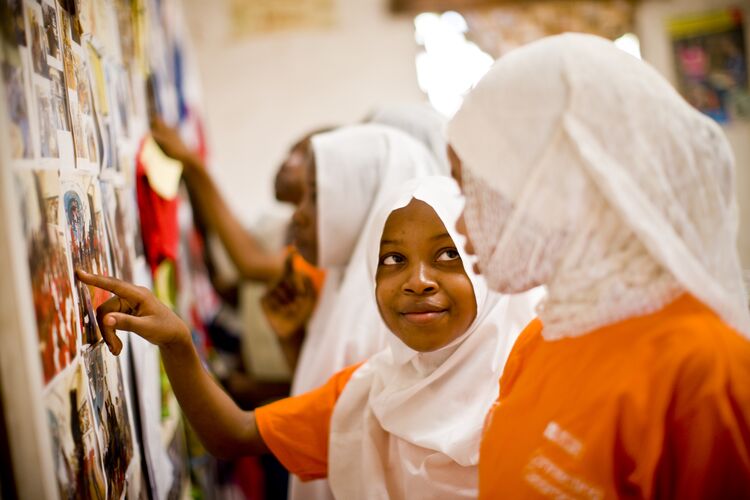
column 162, row 171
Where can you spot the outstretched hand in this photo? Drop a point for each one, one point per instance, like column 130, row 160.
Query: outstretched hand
column 169, row 140
column 289, row 303
column 136, row 309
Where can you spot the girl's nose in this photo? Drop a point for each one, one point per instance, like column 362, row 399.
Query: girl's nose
column 420, row 281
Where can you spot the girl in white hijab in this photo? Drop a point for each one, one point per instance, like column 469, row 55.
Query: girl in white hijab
column 407, row 423
column 354, row 167
column 586, row 172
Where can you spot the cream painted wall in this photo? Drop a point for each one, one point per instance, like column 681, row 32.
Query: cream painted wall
column 656, row 48
column 261, row 93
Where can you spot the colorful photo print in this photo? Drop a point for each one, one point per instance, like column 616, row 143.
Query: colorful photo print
column 47, row 121
column 88, row 246
column 49, row 14
column 119, row 229
column 18, row 110
column 67, row 45
column 111, row 415
column 711, row 62
column 37, row 38
column 49, row 269
column 77, row 458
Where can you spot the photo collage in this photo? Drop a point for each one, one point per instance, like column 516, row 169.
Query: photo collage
column 69, row 105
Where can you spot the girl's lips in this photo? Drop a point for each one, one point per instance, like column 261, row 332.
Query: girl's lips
column 423, row 318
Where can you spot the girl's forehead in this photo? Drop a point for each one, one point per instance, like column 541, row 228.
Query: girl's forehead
column 416, row 219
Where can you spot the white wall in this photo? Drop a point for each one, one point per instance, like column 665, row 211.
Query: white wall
column 261, row 93
column 656, row 48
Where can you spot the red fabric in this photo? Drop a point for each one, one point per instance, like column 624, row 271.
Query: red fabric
column 159, row 227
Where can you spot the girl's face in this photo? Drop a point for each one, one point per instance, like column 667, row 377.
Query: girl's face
column 423, row 293
column 305, row 218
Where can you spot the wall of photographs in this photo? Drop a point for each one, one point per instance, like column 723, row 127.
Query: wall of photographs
column 74, row 114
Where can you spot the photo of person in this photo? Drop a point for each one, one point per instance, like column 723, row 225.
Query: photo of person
column 15, row 93
column 50, row 28
column 49, row 270
column 88, row 246
column 110, row 415
column 46, row 118
column 76, row 453
column 38, row 39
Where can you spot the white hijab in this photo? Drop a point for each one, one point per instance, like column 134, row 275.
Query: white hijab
column 421, row 121
column 408, row 424
column 586, row 171
column 355, row 167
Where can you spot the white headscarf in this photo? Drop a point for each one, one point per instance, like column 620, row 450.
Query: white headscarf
column 586, row 171
column 408, row 424
column 355, row 166
column 420, row 121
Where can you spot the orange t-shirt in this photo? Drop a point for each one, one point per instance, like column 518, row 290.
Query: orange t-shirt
column 296, row 429
column 652, row 407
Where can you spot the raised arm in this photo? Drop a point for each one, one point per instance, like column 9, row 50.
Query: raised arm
column 224, row 429
column 252, row 261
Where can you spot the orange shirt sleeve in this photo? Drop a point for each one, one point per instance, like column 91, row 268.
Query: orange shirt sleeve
column 316, row 274
column 296, row 429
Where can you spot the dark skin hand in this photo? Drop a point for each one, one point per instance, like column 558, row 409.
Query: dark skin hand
column 249, row 257
column 224, row 429
column 288, row 305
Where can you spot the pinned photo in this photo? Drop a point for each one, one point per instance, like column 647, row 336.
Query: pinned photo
column 18, row 110
column 111, row 415
column 49, row 270
column 76, row 454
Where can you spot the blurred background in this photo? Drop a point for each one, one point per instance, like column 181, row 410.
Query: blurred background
column 271, row 70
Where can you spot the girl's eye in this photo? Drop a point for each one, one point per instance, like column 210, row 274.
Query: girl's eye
column 448, row 254
column 391, row 260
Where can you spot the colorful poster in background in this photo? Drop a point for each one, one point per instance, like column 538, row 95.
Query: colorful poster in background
column 710, row 58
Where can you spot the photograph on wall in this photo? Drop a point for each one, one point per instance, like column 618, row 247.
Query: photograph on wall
column 87, row 239
column 14, row 10
column 37, row 38
column 119, row 210
column 49, row 270
column 77, row 458
column 711, row 62
column 67, row 49
column 17, row 104
column 49, row 14
column 59, row 100
column 46, row 121
column 110, row 415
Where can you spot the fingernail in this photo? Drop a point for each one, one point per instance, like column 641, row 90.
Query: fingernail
column 110, row 321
